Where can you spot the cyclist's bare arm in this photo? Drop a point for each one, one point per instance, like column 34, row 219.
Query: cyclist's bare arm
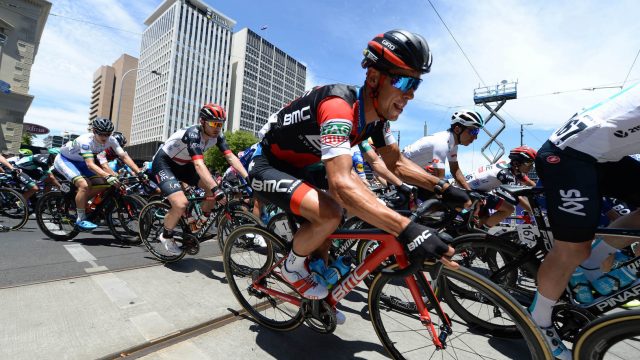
column 378, row 166
column 91, row 164
column 233, row 160
column 454, row 167
column 204, row 174
column 405, row 169
column 107, row 169
column 4, row 162
column 351, row 193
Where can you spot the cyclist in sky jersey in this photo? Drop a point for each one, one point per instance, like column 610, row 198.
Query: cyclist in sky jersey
column 312, row 137
column 581, row 162
column 181, row 158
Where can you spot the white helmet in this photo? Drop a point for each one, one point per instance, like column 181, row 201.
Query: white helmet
column 467, row 118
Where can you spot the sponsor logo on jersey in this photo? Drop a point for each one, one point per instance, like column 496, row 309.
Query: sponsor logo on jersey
column 85, row 147
column 624, row 134
column 297, row 115
column 553, row 159
column 572, row 202
column 335, row 132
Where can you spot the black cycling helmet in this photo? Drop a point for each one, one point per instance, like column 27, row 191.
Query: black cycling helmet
column 398, row 49
column 122, row 140
column 102, row 125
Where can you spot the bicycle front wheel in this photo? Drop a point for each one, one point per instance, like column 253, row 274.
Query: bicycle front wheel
column 228, row 221
column 615, row 336
column 123, row 219
column 14, row 212
column 249, row 255
column 403, row 334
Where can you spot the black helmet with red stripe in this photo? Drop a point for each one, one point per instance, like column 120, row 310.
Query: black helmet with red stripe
column 213, row 112
column 398, row 49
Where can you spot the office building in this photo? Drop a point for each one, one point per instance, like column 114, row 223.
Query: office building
column 58, row 140
column 108, row 81
column 263, row 79
column 188, row 44
column 21, row 26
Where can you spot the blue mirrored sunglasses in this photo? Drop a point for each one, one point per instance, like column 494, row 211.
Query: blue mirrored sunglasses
column 474, row 131
column 404, row 83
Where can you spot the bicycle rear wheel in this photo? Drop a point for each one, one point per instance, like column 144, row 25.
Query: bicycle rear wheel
column 245, row 261
column 14, row 212
column 615, row 336
column 151, row 226
column 405, row 337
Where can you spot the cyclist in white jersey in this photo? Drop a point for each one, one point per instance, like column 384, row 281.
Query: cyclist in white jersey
column 431, row 152
column 76, row 163
column 586, row 159
column 181, row 158
column 490, row 177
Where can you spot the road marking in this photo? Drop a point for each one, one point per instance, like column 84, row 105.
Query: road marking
column 117, row 290
column 153, row 326
column 82, row 255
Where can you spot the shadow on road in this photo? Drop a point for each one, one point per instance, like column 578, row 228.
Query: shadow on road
column 212, row 269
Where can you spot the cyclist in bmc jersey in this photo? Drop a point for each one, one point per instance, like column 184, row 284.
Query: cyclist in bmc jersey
column 313, row 135
column 76, row 162
column 581, row 162
column 181, row 158
column 431, row 151
column 490, row 177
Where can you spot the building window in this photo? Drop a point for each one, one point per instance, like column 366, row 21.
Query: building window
column 3, row 39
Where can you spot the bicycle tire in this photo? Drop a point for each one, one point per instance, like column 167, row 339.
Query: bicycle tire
column 152, row 223
column 279, row 225
column 227, row 224
column 123, row 218
column 244, row 262
column 55, row 216
column 13, row 206
column 461, row 341
column 599, row 337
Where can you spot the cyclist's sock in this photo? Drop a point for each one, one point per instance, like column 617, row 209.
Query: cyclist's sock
column 81, row 214
column 295, row 262
column 600, row 250
column 540, row 310
column 167, row 233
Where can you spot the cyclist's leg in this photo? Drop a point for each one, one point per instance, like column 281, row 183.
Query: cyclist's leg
column 502, row 207
column 171, row 188
column 75, row 172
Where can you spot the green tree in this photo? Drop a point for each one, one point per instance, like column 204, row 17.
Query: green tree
column 237, row 141
column 27, row 138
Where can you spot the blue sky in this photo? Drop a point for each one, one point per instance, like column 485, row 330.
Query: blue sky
column 548, row 46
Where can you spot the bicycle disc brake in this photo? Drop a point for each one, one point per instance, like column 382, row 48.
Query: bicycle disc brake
column 190, row 244
column 319, row 316
column 569, row 319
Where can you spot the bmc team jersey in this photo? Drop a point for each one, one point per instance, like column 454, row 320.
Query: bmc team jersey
column 432, row 151
column 322, row 124
column 86, row 147
column 490, row 177
column 606, row 131
column 187, row 145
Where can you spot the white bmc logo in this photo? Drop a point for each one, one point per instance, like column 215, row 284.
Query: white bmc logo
column 388, row 44
column 571, row 202
column 271, row 185
column 297, row 116
column 419, row 240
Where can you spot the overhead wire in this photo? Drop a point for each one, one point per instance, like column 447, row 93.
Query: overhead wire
column 631, row 68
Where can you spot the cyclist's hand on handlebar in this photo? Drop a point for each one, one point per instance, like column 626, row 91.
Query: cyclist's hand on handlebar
column 422, row 242
column 406, row 189
column 219, row 195
column 112, row 180
column 143, row 177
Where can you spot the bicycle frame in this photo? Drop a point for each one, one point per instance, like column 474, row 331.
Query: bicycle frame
column 388, row 246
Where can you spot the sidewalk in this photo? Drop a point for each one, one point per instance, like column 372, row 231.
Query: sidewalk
column 98, row 315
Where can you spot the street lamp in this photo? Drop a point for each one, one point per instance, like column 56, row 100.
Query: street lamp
column 522, row 132
column 155, row 72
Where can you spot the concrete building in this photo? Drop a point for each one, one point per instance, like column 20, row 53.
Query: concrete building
column 21, row 26
column 105, row 95
column 263, row 79
column 189, row 44
column 58, row 140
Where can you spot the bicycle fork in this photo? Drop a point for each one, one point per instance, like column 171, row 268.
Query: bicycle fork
column 439, row 340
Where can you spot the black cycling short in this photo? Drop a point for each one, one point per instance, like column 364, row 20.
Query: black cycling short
column 574, row 184
column 281, row 184
column 168, row 173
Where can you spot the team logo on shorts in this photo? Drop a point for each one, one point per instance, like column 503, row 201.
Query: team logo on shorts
column 552, row 159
